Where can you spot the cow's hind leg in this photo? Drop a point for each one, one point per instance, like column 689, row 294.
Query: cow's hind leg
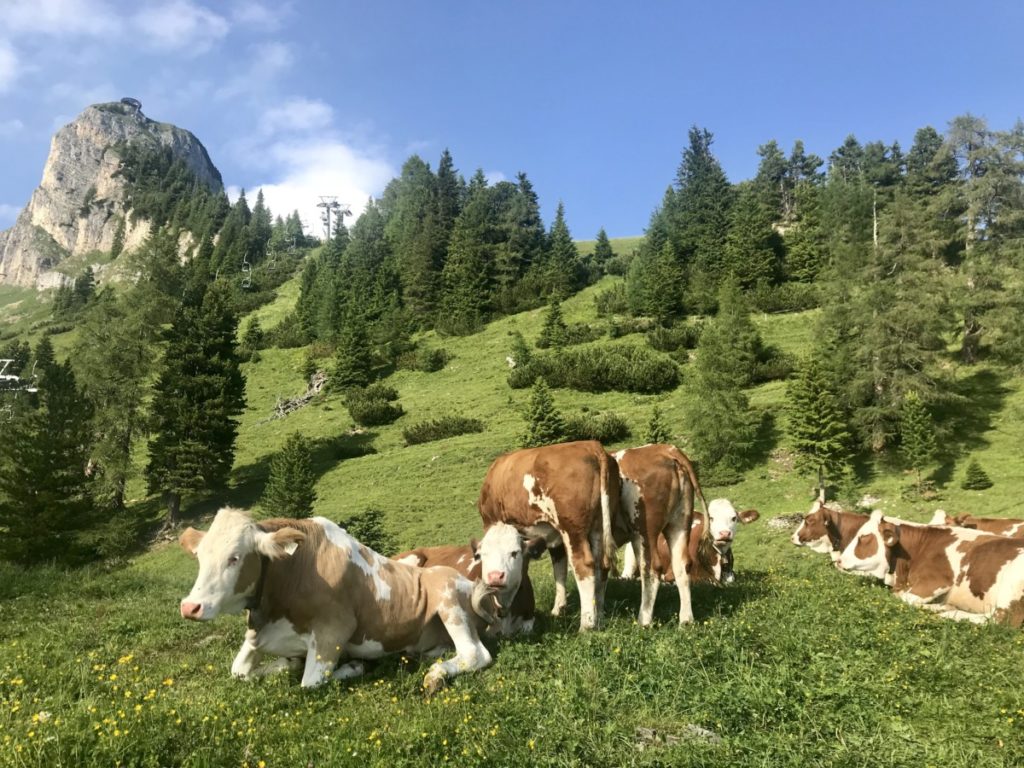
column 560, row 571
column 678, row 538
column 649, row 581
column 470, row 653
column 585, row 569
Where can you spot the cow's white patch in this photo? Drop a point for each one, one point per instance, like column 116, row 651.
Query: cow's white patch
column 408, row 560
column 501, row 557
column 723, row 519
column 318, row 669
column 462, row 559
column 279, row 638
column 368, row 649
column 373, row 568
column 544, row 504
column 631, row 499
column 876, row 564
column 349, row 670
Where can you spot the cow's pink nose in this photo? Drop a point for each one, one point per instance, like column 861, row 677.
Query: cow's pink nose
column 495, row 578
column 191, row 610
column 725, row 536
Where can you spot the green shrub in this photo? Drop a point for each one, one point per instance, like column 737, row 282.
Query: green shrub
column 620, row 328
column 601, row 369
column 612, row 301
column 439, row 429
column 287, row 334
column 676, row 339
column 374, row 405
column 603, row 427
column 788, row 297
column 775, row 366
column 368, row 528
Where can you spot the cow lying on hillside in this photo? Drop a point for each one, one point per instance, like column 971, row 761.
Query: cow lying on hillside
column 961, row 573
column 828, row 529
column 716, row 565
column 313, row 591
column 995, row 525
column 502, row 560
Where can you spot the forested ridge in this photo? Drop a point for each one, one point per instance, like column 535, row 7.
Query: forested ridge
column 911, row 259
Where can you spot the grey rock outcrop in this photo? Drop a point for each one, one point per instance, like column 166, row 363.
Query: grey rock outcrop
column 80, row 203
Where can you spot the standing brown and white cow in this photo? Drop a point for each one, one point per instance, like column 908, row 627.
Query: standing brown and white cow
column 963, row 574
column 501, row 559
column 658, row 488
column 313, row 591
column 568, row 494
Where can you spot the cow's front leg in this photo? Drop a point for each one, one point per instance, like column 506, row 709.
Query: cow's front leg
column 248, row 657
column 470, row 653
column 323, row 653
column 678, row 538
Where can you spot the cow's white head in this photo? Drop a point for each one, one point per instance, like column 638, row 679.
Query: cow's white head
column 867, row 553
column 230, row 558
column 503, row 555
column 813, row 531
column 724, row 519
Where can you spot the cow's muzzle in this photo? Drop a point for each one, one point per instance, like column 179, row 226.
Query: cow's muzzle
column 192, row 611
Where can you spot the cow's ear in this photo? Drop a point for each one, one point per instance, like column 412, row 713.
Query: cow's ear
column 190, row 539
column 891, row 536
column 280, row 543
column 749, row 515
column 535, row 547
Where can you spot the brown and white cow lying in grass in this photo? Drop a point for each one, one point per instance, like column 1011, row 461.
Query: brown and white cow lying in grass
column 960, row 573
column 501, row 559
column 995, row 525
column 311, row 590
column 828, row 529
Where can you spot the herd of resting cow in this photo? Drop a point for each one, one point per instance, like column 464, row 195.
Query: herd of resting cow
column 317, row 597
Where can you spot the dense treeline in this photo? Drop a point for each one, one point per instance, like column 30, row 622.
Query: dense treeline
column 913, row 258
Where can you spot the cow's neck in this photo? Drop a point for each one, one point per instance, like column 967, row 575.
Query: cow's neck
column 907, row 551
column 253, row 603
column 841, row 527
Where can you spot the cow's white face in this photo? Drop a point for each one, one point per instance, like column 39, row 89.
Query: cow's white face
column 230, row 562
column 812, row 532
column 724, row 520
column 866, row 553
column 502, row 554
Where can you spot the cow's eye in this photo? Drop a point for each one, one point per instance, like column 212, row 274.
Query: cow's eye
column 476, row 556
column 514, row 554
column 233, row 560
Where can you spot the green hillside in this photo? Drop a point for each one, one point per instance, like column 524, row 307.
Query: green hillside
column 795, row 665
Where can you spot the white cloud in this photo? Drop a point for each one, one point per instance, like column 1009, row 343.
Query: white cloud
column 320, row 166
column 298, row 115
column 253, row 14
column 9, row 67
column 180, row 24
column 10, row 128
column 265, row 63
column 493, row 177
column 61, row 18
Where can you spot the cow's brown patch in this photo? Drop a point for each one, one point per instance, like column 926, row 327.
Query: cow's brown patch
column 987, row 558
column 249, row 573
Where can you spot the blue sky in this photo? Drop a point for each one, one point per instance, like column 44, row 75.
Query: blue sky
column 592, row 99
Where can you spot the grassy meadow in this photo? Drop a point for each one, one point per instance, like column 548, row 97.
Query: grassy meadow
column 794, row 665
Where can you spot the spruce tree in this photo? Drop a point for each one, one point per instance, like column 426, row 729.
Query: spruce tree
column 917, row 435
column 752, row 247
column 817, row 424
column 657, row 430
column 561, row 274
column 289, row 491
column 352, row 361
column 45, row 500
column 544, row 423
column 554, row 333
column 464, row 303
column 976, row 478
column 603, row 252
column 198, row 395
column 520, row 351
column 654, row 283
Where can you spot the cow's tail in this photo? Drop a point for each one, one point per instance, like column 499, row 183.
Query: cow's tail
column 611, row 502
column 684, row 469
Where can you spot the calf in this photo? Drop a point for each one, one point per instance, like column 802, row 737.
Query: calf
column 996, row 525
column 827, row 528
column 568, row 494
column 312, row 590
column 501, row 558
column 961, row 573
column 716, row 564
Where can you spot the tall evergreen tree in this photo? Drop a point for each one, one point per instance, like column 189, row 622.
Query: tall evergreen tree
column 654, row 283
column 198, row 395
column 290, row 486
column 752, row 248
column 817, row 424
column 554, row 332
column 657, row 430
column 603, row 252
column 544, row 423
column 260, row 230
column 561, row 258
column 45, row 504
column 917, row 435
column 352, row 360
column 465, row 305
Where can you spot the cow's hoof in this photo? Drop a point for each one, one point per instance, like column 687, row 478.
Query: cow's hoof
column 432, row 684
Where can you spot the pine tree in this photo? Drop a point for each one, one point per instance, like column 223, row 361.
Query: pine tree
column 544, row 423
column 198, row 395
column 654, row 284
column 289, row 491
column 975, row 479
column 252, row 340
column 554, row 333
column 260, row 230
column 722, row 426
column 917, row 435
column 352, row 361
column 561, row 258
column 603, row 252
column 752, row 248
column 520, row 351
column 817, row 424
column 45, row 500
column 464, row 304
column 657, row 430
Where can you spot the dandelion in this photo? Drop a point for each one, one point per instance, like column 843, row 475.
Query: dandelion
column 168, row 681
column 531, row 743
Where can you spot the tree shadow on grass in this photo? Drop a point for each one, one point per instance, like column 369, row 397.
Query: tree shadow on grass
column 250, row 480
column 966, row 417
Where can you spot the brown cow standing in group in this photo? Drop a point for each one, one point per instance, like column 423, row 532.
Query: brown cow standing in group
column 658, row 488
column 568, row 494
column 999, row 526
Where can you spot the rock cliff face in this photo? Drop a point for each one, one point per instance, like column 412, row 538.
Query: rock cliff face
column 79, row 205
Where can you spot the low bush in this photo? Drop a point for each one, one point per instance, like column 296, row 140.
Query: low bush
column 440, row 429
column 368, row 528
column 374, row 405
column 675, row 339
column 603, row 427
column 619, row 328
column 601, row 369
column 612, row 301
column 787, row 297
column 287, row 334
column 772, row 365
